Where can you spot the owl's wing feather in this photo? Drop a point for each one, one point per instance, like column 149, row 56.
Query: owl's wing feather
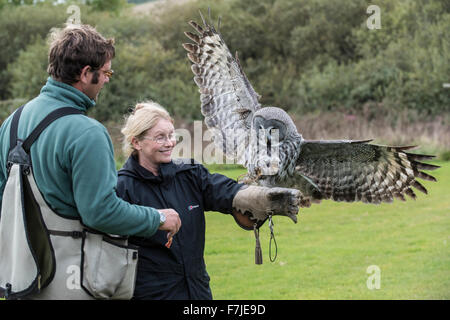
column 358, row 171
column 228, row 100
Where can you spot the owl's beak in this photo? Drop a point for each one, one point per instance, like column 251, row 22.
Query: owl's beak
column 288, row 202
column 293, row 217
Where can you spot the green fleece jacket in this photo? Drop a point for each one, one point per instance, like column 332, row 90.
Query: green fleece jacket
column 73, row 164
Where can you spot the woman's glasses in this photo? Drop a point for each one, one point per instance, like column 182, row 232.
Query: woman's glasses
column 161, row 139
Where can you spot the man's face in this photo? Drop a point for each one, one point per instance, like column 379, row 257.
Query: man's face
column 96, row 79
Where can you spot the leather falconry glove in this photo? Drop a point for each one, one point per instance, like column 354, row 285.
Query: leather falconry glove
column 257, row 203
column 253, row 205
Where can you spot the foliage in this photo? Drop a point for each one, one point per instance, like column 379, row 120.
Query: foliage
column 19, row 27
column 403, row 65
column 149, row 64
column 107, row 5
column 8, row 106
column 310, row 55
column 445, row 156
column 139, row 1
column 31, row 65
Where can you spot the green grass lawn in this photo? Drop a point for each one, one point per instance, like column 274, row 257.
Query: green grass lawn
column 327, row 253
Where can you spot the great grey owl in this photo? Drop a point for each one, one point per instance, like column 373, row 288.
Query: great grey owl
column 340, row 170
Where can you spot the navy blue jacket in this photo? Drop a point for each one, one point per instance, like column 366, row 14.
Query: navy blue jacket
column 189, row 189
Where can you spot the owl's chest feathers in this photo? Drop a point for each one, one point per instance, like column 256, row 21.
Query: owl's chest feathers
column 285, row 177
column 289, row 152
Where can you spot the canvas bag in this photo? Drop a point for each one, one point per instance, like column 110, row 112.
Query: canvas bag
column 47, row 256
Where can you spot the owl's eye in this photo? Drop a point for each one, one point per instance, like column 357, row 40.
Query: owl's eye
column 273, row 136
column 274, row 133
column 270, row 131
column 277, row 131
column 279, row 128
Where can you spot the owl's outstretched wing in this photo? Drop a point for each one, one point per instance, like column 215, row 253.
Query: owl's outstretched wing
column 359, row 171
column 228, row 100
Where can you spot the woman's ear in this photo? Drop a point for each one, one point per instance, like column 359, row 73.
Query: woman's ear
column 135, row 143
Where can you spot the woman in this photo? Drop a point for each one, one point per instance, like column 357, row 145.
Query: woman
column 166, row 269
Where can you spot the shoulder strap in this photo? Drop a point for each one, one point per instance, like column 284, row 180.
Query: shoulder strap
column 52, row 116
column 13, row 129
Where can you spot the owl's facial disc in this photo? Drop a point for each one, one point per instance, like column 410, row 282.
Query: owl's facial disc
column 271, row 127
column 265, row 156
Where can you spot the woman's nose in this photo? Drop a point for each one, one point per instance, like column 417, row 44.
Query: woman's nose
column 170, row 142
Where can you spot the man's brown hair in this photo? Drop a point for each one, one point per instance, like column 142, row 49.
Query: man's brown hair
column 75, row 47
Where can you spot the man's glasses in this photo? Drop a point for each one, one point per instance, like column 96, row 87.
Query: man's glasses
column 162, row 139
column 109, row 73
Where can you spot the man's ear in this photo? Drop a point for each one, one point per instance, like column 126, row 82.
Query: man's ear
column 84, row 75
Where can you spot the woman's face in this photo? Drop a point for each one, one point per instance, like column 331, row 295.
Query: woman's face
column 157, row 144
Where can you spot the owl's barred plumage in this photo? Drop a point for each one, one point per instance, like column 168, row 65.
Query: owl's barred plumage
column 227, row 97
column 340, row 170
column 358, row 171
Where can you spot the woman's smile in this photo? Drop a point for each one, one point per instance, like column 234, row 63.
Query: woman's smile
column 157, row 145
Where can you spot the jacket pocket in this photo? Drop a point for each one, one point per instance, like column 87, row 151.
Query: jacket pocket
column 109, row 266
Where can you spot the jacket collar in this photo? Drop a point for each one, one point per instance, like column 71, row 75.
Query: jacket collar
column 68, row 94
column 166, row 171
column 133, row 169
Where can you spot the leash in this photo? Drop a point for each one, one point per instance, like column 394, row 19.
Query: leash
column 272, row 237
column 258, row 251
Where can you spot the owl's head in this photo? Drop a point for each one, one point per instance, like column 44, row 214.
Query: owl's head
column 274, row 121
column 275, row 144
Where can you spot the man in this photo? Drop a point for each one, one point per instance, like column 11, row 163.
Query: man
column 73, row 160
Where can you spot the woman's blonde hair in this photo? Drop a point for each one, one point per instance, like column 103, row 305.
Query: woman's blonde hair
column 144, row 117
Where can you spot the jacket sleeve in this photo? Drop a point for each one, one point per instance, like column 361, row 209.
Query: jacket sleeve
column 218, row 191
column 94, row 180
column 4, row 148
column 2, row 180
column 122, row 191
column 2, row 187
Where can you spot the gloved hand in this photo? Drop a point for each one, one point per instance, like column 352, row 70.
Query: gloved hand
column 260, row 202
